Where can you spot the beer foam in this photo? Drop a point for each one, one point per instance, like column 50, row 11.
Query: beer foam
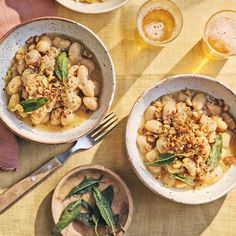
column 155, row 31
column 223, row 30
column 147, row 10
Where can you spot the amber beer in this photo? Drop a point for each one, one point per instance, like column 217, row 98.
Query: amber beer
column 219, row 40
column 159, row 22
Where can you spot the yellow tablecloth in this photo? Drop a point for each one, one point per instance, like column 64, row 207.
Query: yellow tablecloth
column 137, row 68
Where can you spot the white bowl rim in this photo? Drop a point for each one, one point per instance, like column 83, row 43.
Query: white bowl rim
column 35, row 140
column 174, row 77
column 106, row 10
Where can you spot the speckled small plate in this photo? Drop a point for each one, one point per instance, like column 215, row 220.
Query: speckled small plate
column 122, row 203
column 175, row 83
column 94, row 8
column 17, row 37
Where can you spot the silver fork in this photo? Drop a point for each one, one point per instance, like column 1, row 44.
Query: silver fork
column 14, row 193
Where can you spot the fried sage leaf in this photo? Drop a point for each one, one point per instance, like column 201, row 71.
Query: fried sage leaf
column 164, row 158
column 85, row 186
column 104, row 208
column 67, row 216
column 185, row 179
column 167, row 157
column 215, row 153
column 61, row 68
column 33, row 104
column 108, row 193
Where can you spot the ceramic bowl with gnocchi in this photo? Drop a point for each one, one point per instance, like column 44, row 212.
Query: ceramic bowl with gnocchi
column 184, row 144
column 58, row 80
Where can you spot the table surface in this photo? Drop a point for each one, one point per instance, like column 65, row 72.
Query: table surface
column 137, row 68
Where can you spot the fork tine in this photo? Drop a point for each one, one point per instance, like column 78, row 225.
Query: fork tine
column 97, row 134
column 104, row 122
column 105, row 134
column 108, row 115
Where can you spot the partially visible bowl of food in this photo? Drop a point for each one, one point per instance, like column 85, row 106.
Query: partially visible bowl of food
column 92, row 6
column 57, row 80
column 180, row 139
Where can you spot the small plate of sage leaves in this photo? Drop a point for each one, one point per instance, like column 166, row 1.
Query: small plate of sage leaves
column 91, row 200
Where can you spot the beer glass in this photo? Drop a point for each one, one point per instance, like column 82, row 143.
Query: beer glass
column 219, row 39
column 159, row 22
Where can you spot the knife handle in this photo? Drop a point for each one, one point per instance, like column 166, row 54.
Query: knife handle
column 14, row 193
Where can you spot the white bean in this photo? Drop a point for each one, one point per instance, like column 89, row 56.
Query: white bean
column 169, row 108
column 53, row 52
column 153, row 125
column 72, row 101
column 88, row 88
column 214, row 176
column 150, row 113
column 168, row 181
column 61, row 43
column 27, row 71
column 73, row 82
column 91, row 103
column 44, row 44
column 211, row 137
column 23, row 114
column 67, row 117
column 73, row 70
column 182, row 97
column 221, row 125
column 21, row 66
column 226, row 138
column 82, row 73
column 171, row 169
column 32, row 57
column 166, row 99
column 229, row 120
column 155, row 170
column 38, row 115
column 13, row 101
column 160, row 145
column 190, row 165
column 74, row 53
column 152, row 155
column 46, row 118
column 199, row 101
column 15, row 85
column 209, row 123
column 143, row 144
column 214, row 110
column 56, row 117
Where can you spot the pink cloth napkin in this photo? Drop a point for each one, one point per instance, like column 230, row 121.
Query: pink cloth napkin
column 13, row 12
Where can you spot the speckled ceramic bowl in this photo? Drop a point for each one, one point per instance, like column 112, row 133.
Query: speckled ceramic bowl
column 175, row 83
column 16, row 38
column 94, row 8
